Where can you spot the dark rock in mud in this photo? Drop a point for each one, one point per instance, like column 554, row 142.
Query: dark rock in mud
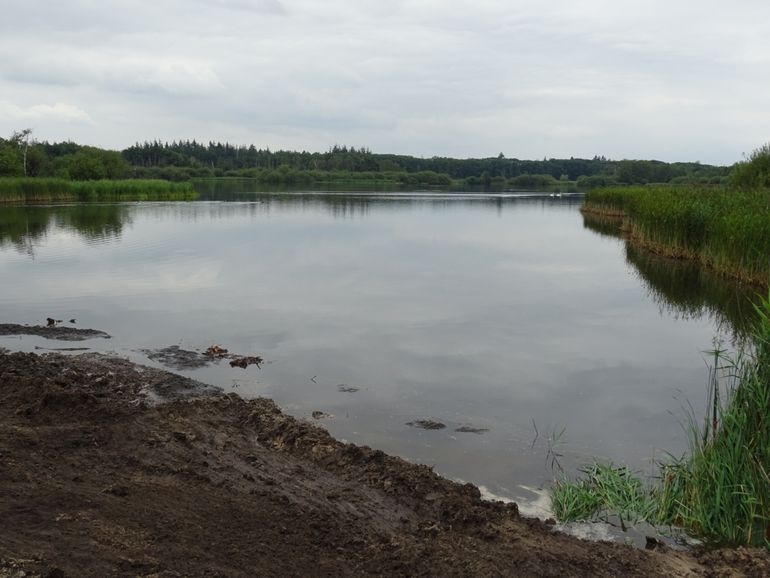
column 51, row 332
column 174, row 357
column 426, row 424
column 244, row 362
column 177, row 358
column 344, row 388
column 320, row 415
column 471, row 429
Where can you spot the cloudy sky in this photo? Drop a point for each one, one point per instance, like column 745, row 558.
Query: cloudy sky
column 672, row 80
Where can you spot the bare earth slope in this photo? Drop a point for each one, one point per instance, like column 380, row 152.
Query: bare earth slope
column 99, row 479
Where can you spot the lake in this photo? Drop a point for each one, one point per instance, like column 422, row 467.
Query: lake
column 505, row 314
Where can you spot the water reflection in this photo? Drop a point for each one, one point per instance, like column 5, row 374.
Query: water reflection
column 680, row 288
column 24, row 227
column 494, row 311
column 683, row 289
column 234, row 188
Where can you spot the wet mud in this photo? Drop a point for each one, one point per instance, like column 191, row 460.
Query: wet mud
column 52, row 332
column 108, row 468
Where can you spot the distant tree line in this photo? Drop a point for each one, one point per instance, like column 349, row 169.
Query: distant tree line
column 188, row 159
column 21, row 155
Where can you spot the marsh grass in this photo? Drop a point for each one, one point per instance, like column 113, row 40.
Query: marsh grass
column 726, row 230
column 604, row 490
column 720, row 491
column 36, row 190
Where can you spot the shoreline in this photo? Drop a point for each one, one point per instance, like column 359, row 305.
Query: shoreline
column 629, row 232
column 109, row 467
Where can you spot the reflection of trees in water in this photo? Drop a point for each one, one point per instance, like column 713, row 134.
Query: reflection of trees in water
column 606, row 226
column 682, row 288
column 24, row 227
column 95, row 223
column 686, row 290
column 360, row 203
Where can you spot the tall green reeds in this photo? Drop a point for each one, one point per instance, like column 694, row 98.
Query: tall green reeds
column 30, row 190
column 720, row 491
column 726, row 230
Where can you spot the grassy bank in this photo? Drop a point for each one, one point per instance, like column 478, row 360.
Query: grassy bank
column 36, row 190
column 726, row 230
column 720, row 491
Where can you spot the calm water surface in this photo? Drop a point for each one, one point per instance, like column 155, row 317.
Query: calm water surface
column 500, row 312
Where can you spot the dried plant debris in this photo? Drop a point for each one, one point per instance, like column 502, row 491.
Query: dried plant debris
column 177, row 358
column 215, row 351
column 244, row 362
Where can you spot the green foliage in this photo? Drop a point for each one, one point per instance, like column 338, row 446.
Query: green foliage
column 10, row 160
column 721, row 491
column 727, row 230
column 92, row 164
column 754, row 173
column 185, row 160
column 604, row 490
column 21, row 190
column 224, row 157
column 594, row 181
column 575, row 501
column 533, row 181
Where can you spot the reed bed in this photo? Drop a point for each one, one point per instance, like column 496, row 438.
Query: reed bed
column 721, row 491
column 37, row 190
column 726, row 230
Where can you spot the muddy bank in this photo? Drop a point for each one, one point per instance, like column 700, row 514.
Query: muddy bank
column 112, row 469
column 52, row 332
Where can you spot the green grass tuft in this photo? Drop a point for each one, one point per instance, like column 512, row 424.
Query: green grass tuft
column 603, row 491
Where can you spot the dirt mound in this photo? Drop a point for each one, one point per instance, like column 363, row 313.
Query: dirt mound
column 96, row 480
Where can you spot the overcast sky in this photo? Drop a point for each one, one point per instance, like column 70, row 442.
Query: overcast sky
column 672, row 80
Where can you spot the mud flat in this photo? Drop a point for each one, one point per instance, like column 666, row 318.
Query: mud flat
column 52, row 332
column 113, row 469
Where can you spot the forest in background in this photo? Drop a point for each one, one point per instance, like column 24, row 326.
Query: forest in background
column 21, row 155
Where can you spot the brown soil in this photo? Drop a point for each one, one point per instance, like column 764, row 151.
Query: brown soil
column 99, row 478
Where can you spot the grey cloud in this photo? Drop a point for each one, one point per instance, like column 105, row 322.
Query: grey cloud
column 681, row 81
column 172, row 75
